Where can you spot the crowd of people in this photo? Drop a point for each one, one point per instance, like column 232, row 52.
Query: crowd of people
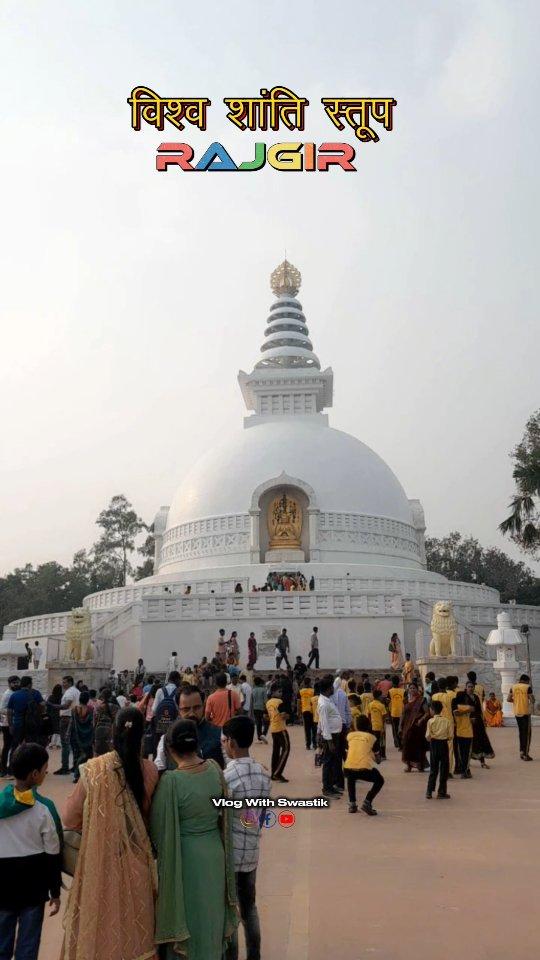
column 274, row 581
column 161, row 867
column 286, row 581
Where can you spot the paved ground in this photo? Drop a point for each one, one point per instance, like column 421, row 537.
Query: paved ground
column 425, row 879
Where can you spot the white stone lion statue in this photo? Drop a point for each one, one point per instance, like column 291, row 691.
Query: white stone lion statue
column 79, row 635
column 443, row 630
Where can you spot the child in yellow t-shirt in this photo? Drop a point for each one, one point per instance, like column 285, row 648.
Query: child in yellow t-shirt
column 440, row 734
column 281, row 746
column 463, row 709
column 521, row 695
column 359, row 766
column 377, row 714
column 365, row 698
column 305, row 695
column 396, row 696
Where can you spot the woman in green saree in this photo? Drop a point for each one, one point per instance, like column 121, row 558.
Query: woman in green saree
column 196, row 907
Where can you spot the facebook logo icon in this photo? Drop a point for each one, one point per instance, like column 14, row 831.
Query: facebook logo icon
column 268, row 818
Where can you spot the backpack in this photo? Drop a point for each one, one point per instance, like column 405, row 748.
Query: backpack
column 166, row 712
column 33, row 718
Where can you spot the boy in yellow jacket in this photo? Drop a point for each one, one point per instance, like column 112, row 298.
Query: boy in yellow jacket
column 359, row 765
column 377, row 715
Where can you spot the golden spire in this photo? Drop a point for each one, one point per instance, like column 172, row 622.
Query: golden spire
column 285, row 279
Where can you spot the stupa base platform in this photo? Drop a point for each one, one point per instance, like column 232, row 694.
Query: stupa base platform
column 451, row 666
column 94, row 675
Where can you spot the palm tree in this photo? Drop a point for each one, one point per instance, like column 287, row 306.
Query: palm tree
column 523, row 524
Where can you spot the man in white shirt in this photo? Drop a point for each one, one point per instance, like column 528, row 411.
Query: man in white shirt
column 330, row 726
column 234, row 684
column 222, row 646
column 70, row 699
column 37, row 654
column 314, row 648
column 172, row 665
column 247, row 695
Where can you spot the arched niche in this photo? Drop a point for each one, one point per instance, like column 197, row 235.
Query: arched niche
column 261, row 499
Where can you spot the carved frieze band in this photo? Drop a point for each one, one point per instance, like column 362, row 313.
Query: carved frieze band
column 209, row 546
column 229, row 522
column 213, row 536
column 362, row 530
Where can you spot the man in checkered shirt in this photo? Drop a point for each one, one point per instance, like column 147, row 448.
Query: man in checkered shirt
column 245, row 778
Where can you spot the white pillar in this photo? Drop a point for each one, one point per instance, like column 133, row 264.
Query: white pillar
column 254, row 547
column 505, row 639
column 313, row 522
column 507, row 666
column 158, row 545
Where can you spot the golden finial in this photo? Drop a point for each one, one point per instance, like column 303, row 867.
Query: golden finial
column 285, row 279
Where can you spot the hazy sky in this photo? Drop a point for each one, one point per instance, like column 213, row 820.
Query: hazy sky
column 130, row 299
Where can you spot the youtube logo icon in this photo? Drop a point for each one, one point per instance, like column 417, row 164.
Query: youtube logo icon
column 286, row 819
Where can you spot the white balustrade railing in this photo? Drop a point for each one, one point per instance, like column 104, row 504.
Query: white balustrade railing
column 430, row 590
column 479, row 618
column 267, row 605
column 120, row 596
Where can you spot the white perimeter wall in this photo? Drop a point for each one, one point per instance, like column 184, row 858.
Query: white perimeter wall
column 127, row 644
column 344, row 642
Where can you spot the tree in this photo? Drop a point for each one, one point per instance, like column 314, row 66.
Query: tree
column 523, row 523
column 50, row 588
column 147, row 550
column 121, row 526
column 514, row 580
column 459, row 558
column 95, row 573
column 456, row 558
column 53, row 588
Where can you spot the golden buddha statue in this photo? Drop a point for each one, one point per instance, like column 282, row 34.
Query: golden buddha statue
column 285, row 523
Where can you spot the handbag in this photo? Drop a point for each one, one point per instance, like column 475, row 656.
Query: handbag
column 70, row 851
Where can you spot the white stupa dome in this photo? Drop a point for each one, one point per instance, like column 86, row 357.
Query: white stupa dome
column 353, row 508
column 346, row 475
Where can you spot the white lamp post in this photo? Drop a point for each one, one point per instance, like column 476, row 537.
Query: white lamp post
column 505, row 638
